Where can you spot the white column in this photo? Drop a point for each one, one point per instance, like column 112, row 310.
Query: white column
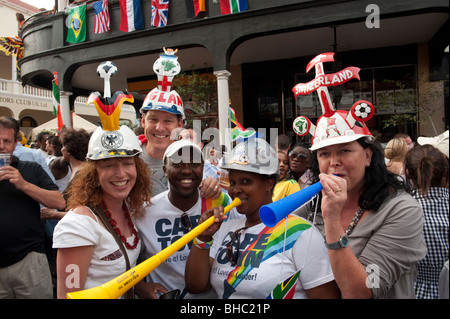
column 65, row 108
column 223, row 97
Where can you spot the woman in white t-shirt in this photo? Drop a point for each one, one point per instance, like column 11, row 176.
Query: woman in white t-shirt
column 114, row 184
column 247, row 259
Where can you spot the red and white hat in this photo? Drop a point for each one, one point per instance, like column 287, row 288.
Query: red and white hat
column 333, row 127
column 162, row 98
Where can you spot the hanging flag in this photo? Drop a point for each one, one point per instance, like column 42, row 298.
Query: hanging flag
column 160, row 12
column 233, row 6
column 101, row 21
column 130, row 15
column 199, row 6
column 76, row 24
column 56, row 101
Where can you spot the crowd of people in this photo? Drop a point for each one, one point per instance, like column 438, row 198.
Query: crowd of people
column 394, row 219
column 100, row 203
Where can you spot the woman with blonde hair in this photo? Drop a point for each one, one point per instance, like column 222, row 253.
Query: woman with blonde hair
column 395, row 152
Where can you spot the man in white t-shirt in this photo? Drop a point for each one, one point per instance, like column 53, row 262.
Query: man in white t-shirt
column 174, row 213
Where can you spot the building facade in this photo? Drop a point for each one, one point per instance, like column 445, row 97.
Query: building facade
column 32, row 105
column 259, row 54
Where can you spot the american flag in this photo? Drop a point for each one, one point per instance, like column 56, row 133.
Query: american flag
column 101, row 16
column 160, row 12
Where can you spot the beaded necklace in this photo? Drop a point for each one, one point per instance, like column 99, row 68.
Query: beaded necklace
column 350, row 227
column 113, row 223
column 355, row 221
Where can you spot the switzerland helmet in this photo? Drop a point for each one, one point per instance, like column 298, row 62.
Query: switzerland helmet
column 333, row 127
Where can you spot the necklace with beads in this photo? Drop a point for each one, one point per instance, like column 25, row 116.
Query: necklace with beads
column 350, row 227
column 113, row 223
column 355, row 221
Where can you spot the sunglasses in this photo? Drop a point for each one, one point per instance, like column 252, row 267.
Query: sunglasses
column 298, row 156
column 233, row 257
column 186, row 221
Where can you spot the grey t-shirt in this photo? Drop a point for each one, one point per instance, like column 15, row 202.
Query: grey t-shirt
column 159, row 180
column 389, row 243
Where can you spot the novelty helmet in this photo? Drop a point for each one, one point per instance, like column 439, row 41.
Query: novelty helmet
column 333, row 127
column 110, row 140
column 340, row 127
column 162, row 98
column 163, row 101
column 254, row 155
column 106, row 144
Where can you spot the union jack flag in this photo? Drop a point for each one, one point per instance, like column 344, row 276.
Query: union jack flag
column 160, row 12
column 101, row 16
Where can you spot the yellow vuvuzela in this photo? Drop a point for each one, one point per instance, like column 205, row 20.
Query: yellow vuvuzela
column 116, row 287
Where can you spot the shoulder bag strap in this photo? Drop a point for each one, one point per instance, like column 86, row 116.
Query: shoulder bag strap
column 101, row 214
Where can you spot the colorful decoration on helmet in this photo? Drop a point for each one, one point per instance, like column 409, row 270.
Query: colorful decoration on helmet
column 333, row 127
column 162, row 98
column 238, row 132
column 110, row 140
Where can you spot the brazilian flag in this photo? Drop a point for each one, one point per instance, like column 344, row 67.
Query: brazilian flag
column 76, row 24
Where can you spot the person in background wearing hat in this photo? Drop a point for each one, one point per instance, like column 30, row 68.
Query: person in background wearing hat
column 427, row 169
column 97, row 239
column 24, row 186
column 440, row 142
column 173, row 214
column 372, row 226
column 248, row 259
column 162, row 112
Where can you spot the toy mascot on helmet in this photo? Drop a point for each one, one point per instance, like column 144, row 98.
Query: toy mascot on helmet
column 162, row 98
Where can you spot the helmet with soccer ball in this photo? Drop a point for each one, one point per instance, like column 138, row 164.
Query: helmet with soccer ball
column 333, row 127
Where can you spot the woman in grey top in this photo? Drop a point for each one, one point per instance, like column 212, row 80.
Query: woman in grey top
column 372, row 226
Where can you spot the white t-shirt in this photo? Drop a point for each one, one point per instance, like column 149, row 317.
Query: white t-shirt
column 267, row 258
column 159, row 227
column 75, row 230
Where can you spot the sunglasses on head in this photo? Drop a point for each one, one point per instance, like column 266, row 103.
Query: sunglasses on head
column 298, row 156
column 233, row 257
column 185, row 221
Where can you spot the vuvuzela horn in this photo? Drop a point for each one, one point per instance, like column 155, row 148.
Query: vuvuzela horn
column 116, row 287
column 272, row 213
